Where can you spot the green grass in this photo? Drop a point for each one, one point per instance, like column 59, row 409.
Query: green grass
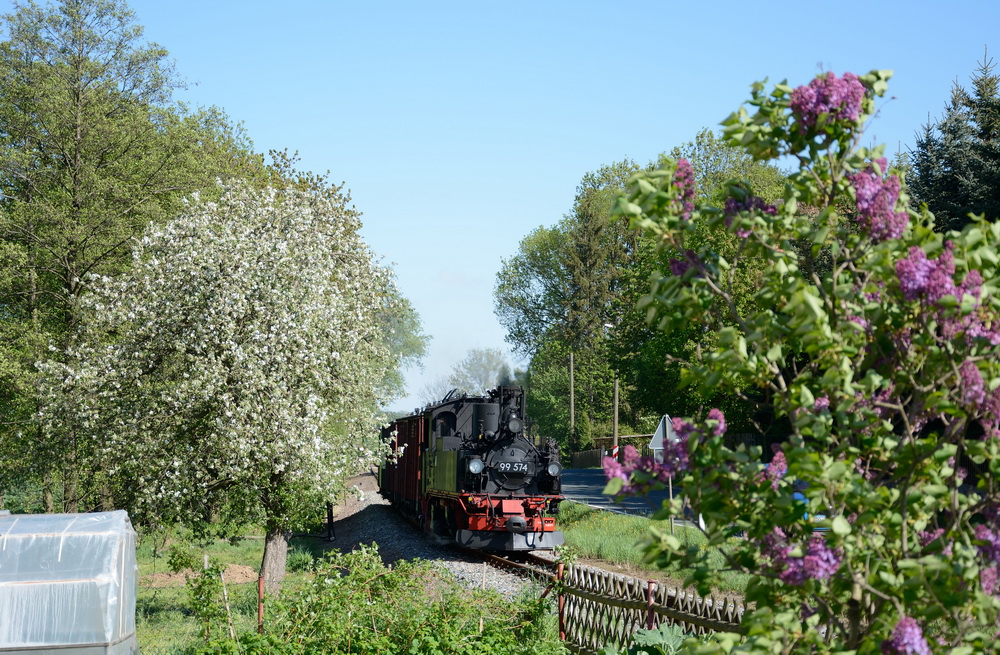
column 599, row 534
column 165, row 624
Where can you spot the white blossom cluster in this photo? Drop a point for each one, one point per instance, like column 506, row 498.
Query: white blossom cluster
column 241, row 355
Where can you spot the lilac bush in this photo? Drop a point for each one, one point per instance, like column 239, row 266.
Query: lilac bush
column 875, row 337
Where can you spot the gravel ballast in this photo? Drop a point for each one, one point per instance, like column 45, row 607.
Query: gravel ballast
column 365, row 517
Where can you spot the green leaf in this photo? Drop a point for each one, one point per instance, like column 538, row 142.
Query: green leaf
column 613, row 487
column 840, row 526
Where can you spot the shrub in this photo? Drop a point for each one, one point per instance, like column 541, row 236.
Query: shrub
column 876, row 339
column 356, row 604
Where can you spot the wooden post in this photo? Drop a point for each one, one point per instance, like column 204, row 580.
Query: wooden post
column 229, row 612
column 330, row 536
column 260, row 604
column 562, row 602
column 650, row 616
column 483, row 587
column 670, row 491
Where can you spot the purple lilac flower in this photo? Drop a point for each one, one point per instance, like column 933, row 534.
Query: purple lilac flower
column 988, row 578
column 684, row 182
column 777, row 467
column 929, row 281
column 971, row 385
column 941, row 281
column 973, row 283
column 773, row 546
column 819, row 563
column 990, row 548
column 863, row 323
column 679, row 267
column 716, row 414
column 913, row 272
column 876, row 199
column 980, row 324
column 990, row 419
column 675, row 460
column 826, row 94
column 630, row 457
column 907, row 639
column 751, row 204
column 682, row 428
column 861, row 466
column 613, row 469
column 821, row 403
column 929, row 537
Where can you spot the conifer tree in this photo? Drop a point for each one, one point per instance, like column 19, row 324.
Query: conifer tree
column 956, row 162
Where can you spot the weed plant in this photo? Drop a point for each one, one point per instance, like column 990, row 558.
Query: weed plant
column 337, row 603
column 356, row 604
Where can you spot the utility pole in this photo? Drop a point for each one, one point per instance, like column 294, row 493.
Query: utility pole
column 572, row 403
column 614, row 444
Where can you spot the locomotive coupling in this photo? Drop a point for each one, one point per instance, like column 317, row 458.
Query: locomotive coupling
column 516, row 524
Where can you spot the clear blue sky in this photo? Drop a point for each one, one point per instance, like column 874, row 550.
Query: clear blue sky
column 461, row 126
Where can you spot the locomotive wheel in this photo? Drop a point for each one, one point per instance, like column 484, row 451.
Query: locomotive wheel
column 439, row 520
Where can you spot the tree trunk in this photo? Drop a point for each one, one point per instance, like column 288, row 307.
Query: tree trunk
column 272, row 566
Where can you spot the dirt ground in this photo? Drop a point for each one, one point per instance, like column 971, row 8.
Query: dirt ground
column 234, row 574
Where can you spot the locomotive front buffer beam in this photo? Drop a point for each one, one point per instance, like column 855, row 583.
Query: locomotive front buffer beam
column 508, row 524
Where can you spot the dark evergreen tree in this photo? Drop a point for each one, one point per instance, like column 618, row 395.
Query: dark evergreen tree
column 956, row 162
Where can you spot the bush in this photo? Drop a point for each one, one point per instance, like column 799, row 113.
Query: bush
column 355, row 604
column 877, row 339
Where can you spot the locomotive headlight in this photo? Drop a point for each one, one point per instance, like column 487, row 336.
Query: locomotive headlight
column 475, row 466
column 554, row 469
column 514, row 424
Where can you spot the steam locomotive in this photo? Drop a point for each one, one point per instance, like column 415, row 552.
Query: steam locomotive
column 463, row 468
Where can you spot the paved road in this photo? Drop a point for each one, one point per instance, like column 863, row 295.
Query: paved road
column 585, row 486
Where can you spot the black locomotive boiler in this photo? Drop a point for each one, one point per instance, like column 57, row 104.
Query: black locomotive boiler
column 464, row 468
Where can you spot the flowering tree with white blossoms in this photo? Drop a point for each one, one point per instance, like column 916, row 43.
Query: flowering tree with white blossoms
column 233, row 374
column 877, row 339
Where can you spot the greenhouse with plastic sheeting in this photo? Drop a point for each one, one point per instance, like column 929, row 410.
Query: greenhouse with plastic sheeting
column 67, row 584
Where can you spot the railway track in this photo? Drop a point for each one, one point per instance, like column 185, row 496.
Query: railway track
column 526, row 564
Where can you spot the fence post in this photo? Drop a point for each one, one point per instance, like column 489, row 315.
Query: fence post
column 562, row 602
column 650, row 616
column 260, row 604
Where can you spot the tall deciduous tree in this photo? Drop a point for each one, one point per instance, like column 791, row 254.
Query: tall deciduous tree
column 246, row 363
column 575, row 288
column 649, row 359
column 479, row 370
column 90, row 153
column 956, row 162
column 482, row 369
column 560, row 293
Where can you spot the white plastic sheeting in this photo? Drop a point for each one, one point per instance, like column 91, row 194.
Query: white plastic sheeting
column 67, row 584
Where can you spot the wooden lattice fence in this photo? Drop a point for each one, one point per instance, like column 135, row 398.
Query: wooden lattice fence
column 597, row 608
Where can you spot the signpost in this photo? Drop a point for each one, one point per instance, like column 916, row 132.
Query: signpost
column 664, row 433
